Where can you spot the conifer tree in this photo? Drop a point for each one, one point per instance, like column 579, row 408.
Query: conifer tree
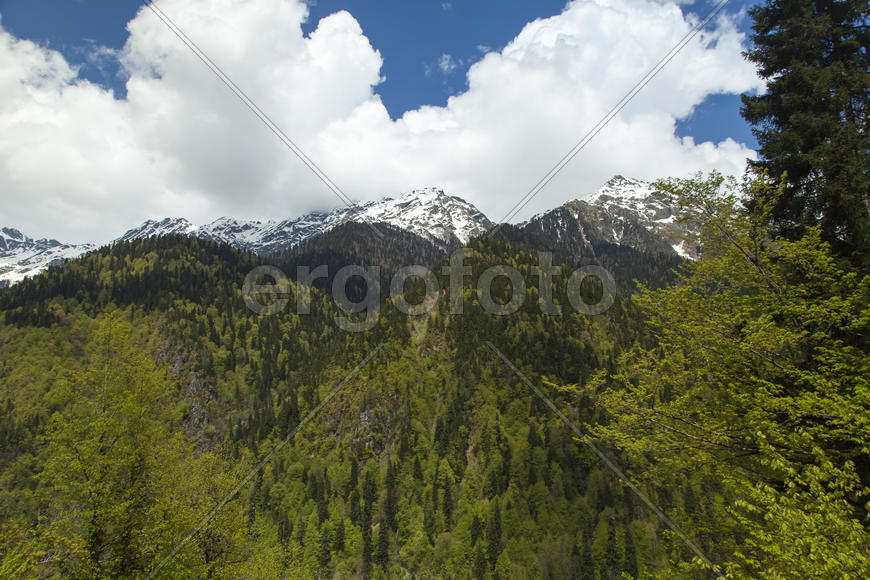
column 382, row 555
column 493, row 534
column 812, row 122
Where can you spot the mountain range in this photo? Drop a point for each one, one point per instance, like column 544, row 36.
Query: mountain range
column 625, row 213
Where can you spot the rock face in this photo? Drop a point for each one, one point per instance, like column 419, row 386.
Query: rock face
column 625, row 212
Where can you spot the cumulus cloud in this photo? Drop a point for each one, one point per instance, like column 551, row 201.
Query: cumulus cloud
column 78, row 163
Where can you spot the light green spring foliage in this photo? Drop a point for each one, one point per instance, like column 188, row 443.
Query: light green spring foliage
column 460, row 471
column 117, row 485
column 745, row 420
column 760, row 381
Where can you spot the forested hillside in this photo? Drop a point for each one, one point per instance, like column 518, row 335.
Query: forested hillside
column 139, row 392
column 435, row 459
column 175, row 408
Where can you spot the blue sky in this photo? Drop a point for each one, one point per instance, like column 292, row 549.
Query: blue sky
column 413, row 37
column 477, row 97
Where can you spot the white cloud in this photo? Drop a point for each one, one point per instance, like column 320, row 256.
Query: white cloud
column 76, row 163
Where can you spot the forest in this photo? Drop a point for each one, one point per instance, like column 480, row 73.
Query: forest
column 151, row 425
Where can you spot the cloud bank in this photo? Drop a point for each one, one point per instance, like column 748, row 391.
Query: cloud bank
column 79, row 164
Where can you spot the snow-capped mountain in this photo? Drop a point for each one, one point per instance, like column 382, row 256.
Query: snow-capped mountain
column 654, row 212
column 429, row 213
column 164, row 227
column 21, row 256
column 625, row 212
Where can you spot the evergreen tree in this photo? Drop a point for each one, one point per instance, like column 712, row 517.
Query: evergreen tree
column 812, row 122
column 353, row 500
column 630, row 566
column 587, row 562
column 325, row 548
column 391, row 500
column 476, row 529
column 479, row 570
column 611, row 555
column 339, row 536
column 493, row 534
column 382, row 555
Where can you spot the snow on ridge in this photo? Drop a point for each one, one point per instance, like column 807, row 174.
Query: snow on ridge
column 166, row 226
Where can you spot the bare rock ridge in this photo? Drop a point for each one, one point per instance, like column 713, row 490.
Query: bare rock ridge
column 625, row 212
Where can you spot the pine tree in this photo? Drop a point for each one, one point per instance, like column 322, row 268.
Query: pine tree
column 587, row 562
column 353, row 500
column 611, row 555
column 325, row 548
column 391, row 499
column 493, row 534
column 354, row 476
column 630, row 566
column 812, row 122
column 382, row 555
column 479, row 570
column 447, row 505
column 339, row 536
column 476, row 529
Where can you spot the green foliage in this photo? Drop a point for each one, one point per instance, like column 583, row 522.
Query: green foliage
column 759, row 381
column 435, row 460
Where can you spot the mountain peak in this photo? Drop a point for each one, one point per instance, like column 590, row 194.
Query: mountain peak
column 164, row 227
column 430, row 213
column 624, row 212
column 618, row 180
column 424, row 192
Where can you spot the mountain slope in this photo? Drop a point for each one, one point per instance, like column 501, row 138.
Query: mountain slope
column 357, row 244
column 625, row 212
column 434, row 440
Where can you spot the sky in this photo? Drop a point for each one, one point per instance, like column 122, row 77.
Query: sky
column 107, row 119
